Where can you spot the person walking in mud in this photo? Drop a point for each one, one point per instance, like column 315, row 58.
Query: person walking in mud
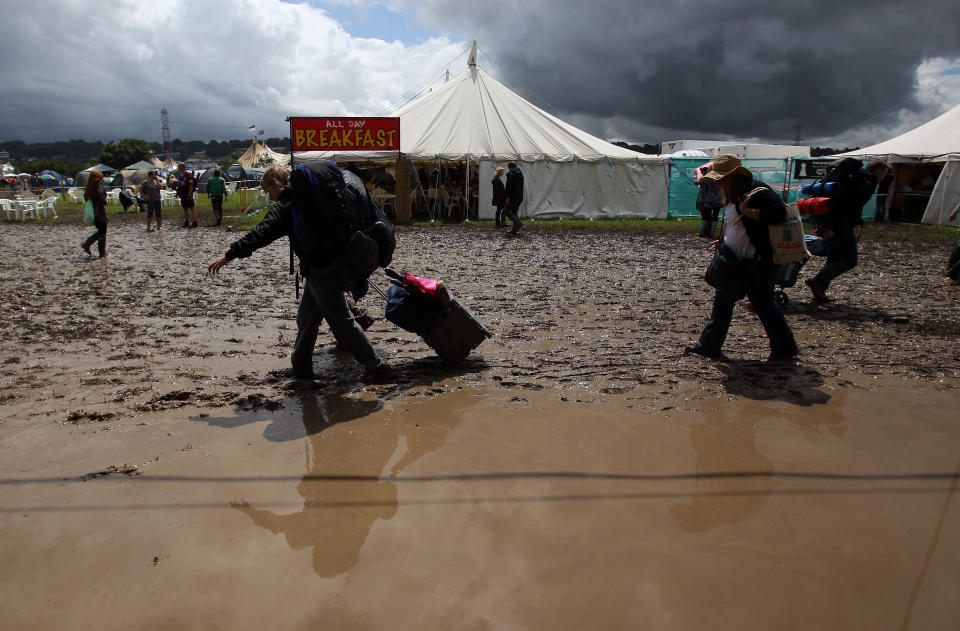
column 95, row 193
column 185, row 188
column 499, row 196
column 837, row 226
column 216, row 191
column 514, row 197
column 150, row 189
column 709, row 202
column 746, row 238
column 322, row 298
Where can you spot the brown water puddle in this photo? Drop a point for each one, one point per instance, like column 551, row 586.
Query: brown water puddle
column 480, row 509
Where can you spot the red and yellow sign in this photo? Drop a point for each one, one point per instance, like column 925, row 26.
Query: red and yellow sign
column 345, row 134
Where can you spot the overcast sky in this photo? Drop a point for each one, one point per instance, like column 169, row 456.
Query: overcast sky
column 846, row 73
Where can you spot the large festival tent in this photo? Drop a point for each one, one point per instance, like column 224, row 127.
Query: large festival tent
column 924, row 156
column 567, row 172
column 258, row 155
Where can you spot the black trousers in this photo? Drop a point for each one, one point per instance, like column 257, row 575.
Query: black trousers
column 217, row 202
column 100, row 236
column 510, row 212
column 842, row 256
column 499, row 215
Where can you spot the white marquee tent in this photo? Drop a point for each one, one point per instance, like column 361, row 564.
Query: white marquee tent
column 567, row 172
column 937, row 141
column 258, row 154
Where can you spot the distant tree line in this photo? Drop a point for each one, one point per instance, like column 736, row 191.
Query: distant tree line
column 69, row 156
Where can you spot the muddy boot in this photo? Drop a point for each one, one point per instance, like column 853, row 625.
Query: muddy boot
column 704, row 229
column 818, row 291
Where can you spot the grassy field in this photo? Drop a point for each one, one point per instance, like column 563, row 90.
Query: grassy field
column 911, row 232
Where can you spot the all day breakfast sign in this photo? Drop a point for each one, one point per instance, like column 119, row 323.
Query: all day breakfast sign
column 345, row 134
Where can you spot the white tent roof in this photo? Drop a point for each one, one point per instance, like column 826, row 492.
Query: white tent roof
column 474, row 116
column 935, row 139
column 258, row 154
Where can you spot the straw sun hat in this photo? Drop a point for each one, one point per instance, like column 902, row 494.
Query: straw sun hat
column 724, row 165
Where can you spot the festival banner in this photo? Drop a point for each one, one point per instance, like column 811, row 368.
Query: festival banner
column 345, row 134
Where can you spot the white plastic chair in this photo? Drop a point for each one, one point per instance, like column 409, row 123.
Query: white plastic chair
column 27, row 207
column 47, row 205
column 76, row 195
column 10, row 208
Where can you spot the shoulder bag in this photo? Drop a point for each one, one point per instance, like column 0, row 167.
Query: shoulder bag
column 727, row 273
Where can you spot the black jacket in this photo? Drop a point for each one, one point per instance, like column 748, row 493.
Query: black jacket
column 772, row 211
column 279, row 223
column 99, row 206
column 499, row 192
column 324, row 228
column 846, row 207
column 515, row 187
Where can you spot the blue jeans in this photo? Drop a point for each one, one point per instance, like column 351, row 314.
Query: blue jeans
column 760, row 292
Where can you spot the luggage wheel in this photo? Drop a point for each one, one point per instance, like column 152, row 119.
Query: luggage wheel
column 781, row 297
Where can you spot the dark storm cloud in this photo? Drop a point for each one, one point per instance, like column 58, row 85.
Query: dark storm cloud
column 732, row 68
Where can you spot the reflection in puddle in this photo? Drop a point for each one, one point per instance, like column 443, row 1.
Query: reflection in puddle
column 344, row 490
column 722, row 440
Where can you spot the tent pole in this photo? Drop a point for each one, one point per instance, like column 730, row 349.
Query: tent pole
column 426, row 200
column 466, row 193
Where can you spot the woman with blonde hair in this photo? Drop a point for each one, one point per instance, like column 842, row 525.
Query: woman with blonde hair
column 95, row 193
column 499, row 196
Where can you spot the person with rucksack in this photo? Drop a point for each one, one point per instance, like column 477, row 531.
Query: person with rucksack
column 745, row 255
column 313, row 213
column 848, row 187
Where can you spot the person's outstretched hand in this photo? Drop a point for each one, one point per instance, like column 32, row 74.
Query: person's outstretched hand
column 715, row 245
column 214, row 267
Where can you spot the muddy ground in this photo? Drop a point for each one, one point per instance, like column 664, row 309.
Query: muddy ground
column 158, row 469
column 146, row 329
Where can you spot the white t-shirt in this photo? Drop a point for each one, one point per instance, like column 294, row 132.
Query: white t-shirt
column 735, row 235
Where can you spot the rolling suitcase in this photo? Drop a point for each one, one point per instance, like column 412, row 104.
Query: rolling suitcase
column 426, row 307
